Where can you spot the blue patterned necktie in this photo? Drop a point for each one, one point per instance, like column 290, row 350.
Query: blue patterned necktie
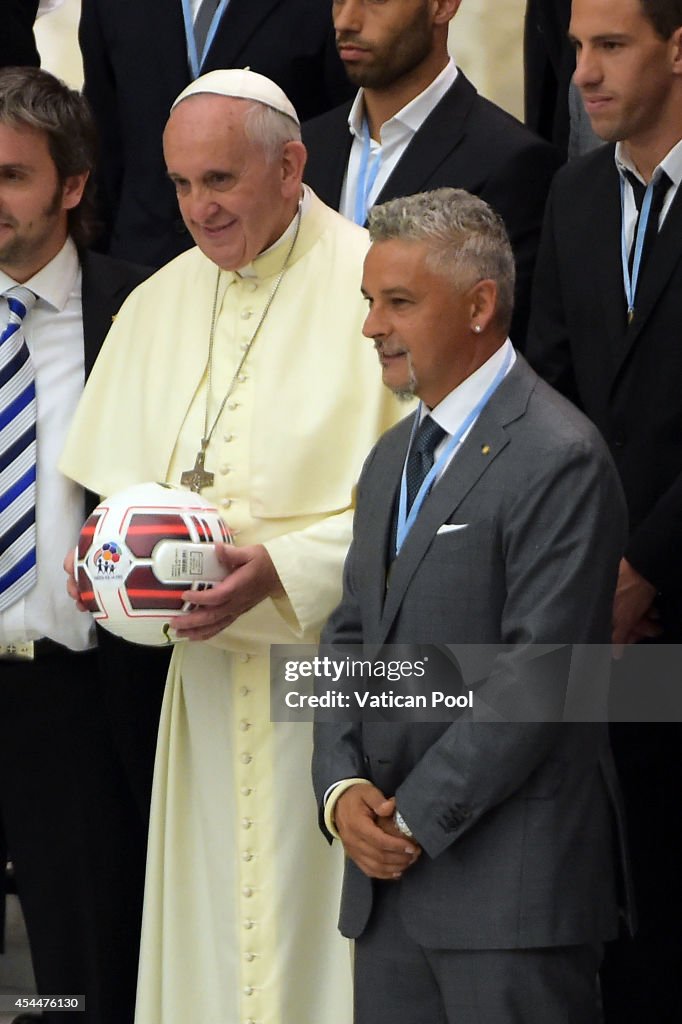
column 420, row 459
column 17, row 454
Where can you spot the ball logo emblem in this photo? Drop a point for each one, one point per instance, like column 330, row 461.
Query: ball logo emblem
column 107, row 563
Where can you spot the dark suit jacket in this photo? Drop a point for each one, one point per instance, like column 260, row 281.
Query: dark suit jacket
column 501, row 810
column 135, row 63
column 17, row 44
column 107, row 283
column 466, row 142
column 627, row 379
column 548, row 63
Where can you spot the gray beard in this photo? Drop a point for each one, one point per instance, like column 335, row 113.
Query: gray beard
column 408, row 391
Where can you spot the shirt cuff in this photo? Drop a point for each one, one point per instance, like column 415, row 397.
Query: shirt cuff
column 331, row 798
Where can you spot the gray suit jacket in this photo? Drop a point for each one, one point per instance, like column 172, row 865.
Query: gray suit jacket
column 514, row 819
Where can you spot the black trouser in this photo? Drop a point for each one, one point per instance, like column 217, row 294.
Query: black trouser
column 73, row 833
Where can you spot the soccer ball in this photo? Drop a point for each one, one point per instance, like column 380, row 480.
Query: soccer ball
column 139, row 551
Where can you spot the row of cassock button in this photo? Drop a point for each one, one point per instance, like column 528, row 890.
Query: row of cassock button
column 244, row 725
column 247, row 855
column 231, row 406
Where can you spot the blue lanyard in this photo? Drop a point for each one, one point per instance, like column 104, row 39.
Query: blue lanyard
column 195, row 59
column 405, row 522
column 366, row 176
column 630, row 282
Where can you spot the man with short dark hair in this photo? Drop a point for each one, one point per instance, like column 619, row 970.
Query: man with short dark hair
column 495, row 518
column 417, row 124
column 605, row 331
column 72, row 830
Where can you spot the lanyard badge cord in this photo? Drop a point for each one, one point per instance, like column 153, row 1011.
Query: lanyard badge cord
column 405, row 521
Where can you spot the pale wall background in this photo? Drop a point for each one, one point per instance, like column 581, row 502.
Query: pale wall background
column 57, row 38
column 485, row 39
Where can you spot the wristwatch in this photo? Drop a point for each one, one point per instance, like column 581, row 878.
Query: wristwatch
column 402, row 825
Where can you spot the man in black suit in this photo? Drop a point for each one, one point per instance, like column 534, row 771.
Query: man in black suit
column 138, row 57
column 418, row 124
column 73, row 831
column 605, row 331
column 471, row 888
column 17, row 43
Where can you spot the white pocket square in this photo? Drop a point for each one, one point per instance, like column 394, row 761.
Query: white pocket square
column 451, row 527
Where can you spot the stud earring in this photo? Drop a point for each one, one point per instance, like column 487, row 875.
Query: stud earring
column 476, row 328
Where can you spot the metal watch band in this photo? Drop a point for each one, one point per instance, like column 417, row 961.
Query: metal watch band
column 402, row 825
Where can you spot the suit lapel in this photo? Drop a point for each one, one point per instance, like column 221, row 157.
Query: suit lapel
column 106, row 283
column 665, row 256
column 381, row 504
column 166, row 24
column 602, row 268
column 483, row 445
column 461, row 475
column 98, row 302
column 238, row 24
column 104, row 286
column 329, row 165
column 440, row 134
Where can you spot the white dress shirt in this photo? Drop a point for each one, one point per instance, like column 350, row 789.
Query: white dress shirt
column 54, row 334
column 455, row 407
column 671, row 164
column 395, row 136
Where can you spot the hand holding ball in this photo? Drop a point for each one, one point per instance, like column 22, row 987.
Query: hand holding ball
column 139, row 551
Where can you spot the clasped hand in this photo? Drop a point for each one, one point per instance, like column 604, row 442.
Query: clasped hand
column 635, row 616
column 364, row 821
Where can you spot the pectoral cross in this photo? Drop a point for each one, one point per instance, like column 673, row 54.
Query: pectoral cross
column 198, row 477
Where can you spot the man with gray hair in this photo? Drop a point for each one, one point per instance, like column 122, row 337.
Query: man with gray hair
column 495, row 516
column 242, row 373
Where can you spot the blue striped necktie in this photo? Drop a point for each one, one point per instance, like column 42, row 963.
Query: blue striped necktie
column 202, row 24
column 17, row 454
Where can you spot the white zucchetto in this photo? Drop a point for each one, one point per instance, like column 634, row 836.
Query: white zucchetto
column 242, row 84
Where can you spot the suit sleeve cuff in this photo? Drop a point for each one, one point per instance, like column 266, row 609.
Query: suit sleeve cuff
column 331, row 799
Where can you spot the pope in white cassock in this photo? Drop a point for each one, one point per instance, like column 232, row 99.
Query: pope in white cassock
column 242, row 365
